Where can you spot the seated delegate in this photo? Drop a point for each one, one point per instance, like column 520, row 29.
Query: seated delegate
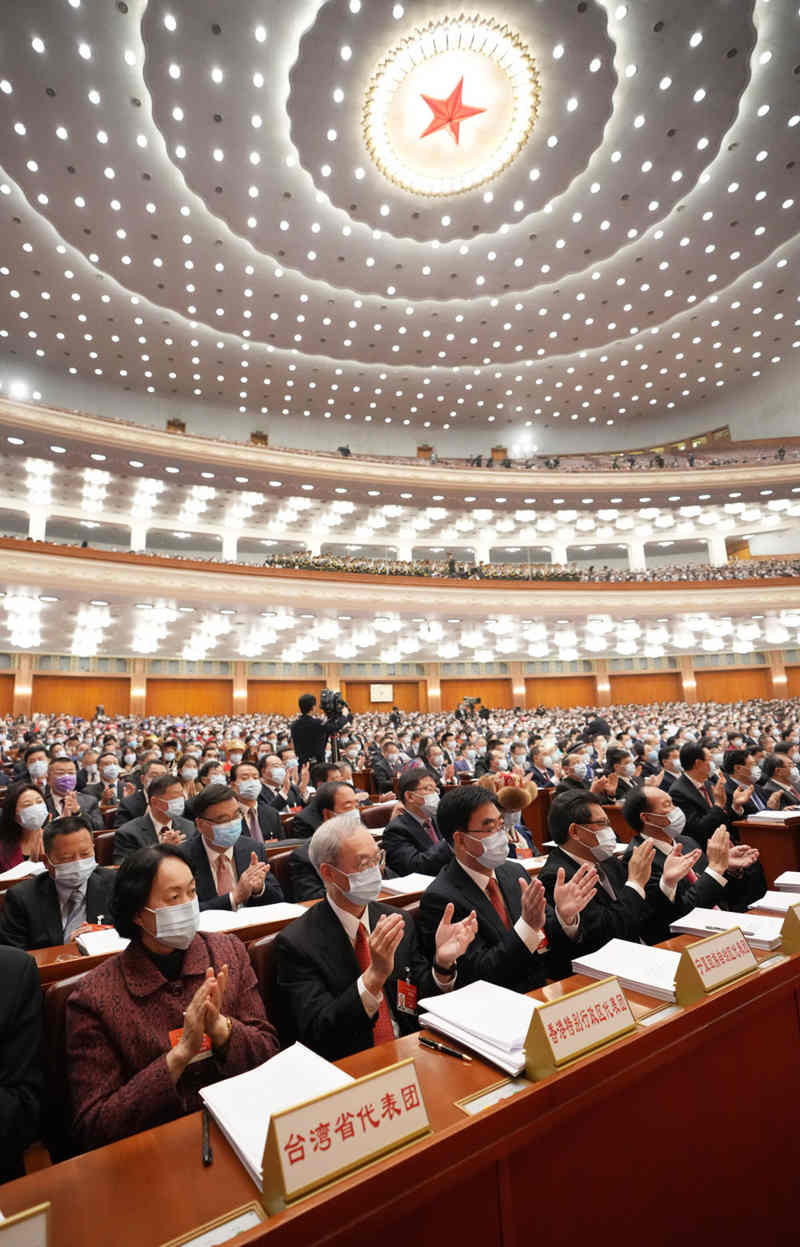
column 230, row 868
column 20, row 1066
column 52, row 908
column 24, row 814
column 136, row 1023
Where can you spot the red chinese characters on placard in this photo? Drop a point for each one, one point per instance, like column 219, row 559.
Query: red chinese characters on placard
column 717, row 960
column 323, row 1136
column 295, row 1148
column 320, row 1137
column 582, row 1021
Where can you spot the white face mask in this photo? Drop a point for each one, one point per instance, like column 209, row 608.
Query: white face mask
column 606, row 843
column 176, row 806
column 547, row 760
column 629, row 770
column 111, row 772
column 755, row 773
column 353, row 818
column 177, row 925
column 494, row 851
column 579, row 770
column 188, row 772
column 794, row 775
column 677, row 821
column 73, row 874
column 249, row 788
column 32, row 817
column 365, row 886
column 431, row 802
column 278, row 775
column 37, row 770
column 235, row 757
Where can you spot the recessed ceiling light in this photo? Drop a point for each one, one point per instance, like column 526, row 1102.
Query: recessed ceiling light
column 172, row 470
column 59, row 450
column 135, row 463
column 98, row 602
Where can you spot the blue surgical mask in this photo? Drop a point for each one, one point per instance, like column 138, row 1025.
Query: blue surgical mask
column 226, row 834
column 249, row 788
column 278, row 774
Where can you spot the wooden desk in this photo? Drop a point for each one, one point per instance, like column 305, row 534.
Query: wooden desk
column 551, row 1165
column 778, row 844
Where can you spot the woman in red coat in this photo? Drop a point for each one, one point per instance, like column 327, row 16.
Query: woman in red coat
column 175, row 1011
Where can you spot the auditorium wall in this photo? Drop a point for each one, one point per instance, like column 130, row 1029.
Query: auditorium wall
column 496, row 694
column 279, row 696
column 655, row 686
column 193, row 697
column 6, row 694
column 569, row 690
column 793, row 681
column 80, row 695
column 407, row 695
column 735, row 685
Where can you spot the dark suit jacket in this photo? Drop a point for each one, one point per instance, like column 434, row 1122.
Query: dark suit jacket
column 750, row 807
column 604, row 919
column 409, row 847
column 97, row 790
column 88, row 807
column 309, row 737
column 318, row 973
column 668, row 781
column 304, row 882
column 307, row 821
column 542, row 779
column 269, row 820
column 705, row 893
column 20, row 1066
column 277, row 801
column 31, row 916
column 382, row 773
column 496, row 954
column 130, row 808
column 766, row 790
column 702, row 819
column 140, row 832
column 195, row 854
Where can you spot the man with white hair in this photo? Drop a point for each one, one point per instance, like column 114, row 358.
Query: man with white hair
column 351, row 970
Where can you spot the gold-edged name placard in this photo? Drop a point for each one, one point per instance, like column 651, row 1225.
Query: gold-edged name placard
column 564, row 1029
column 30, row 1228
column 712, row 963
column 790, row 931
column 322, row 1139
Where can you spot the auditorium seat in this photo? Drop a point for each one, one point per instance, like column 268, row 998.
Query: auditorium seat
column 56, row 1126
column 264, row 960
column 279, row 865
column 104, row 848
column 377, row 816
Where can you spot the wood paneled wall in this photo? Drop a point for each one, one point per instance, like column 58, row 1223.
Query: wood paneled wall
column 79, row 695
column 176, row 697
column 659, row 686
column 793, row 681
column 279, row 696
column 566, row 691
column 6, row 694
column 408, row 695
column 496, row 694
column 733, row 685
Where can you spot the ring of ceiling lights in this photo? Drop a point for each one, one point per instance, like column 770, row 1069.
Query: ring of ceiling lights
column 501, row 70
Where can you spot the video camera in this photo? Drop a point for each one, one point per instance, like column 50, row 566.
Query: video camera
column 332, row 703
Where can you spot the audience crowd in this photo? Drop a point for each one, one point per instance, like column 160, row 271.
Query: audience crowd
column 195, row 803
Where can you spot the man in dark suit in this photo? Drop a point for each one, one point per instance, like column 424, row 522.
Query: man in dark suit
column 351, row 970
column 411, row 840
column 61, row 798
column 20, row 1062
column 305, row 884
column 261, row 820
column 110, row 789
column 309, row 732
column 777, row 781
column 52, row 908
column 705, row 805
column 230, row 869
column 740, row 771
column 669, row 759
column 520, row 941
column 620, row 907
column 277, row 790
column 335, row 797
column 162, row 822
column 135, row 805
column 386, row 765
column 542, row 773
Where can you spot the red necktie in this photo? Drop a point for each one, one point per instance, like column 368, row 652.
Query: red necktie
column 383, row 1030
column 429, row 827
column 496, row 897
column 253, row 824
column 706, row 794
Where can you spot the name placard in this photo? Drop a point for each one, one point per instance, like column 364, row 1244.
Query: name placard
column 317, row 1141
column 30, row 1228
column 711, row 963
column 564, row 1029
column 790, row 931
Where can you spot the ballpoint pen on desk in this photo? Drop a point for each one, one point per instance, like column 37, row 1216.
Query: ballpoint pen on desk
column 208, row 1155
column 440, row 1047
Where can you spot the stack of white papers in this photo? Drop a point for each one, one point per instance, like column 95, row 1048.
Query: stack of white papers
column 775, row 902
column 251, row 916
column 22, row 871
column 96, row 943
column 773, row 816
column 638, row 967
column 759, row 930
column 489, row 1020
column 789, row 881
column 620, row 847
column 242, row 1106
column 404, row 885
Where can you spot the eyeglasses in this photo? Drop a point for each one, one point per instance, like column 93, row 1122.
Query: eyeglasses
column 494, row 825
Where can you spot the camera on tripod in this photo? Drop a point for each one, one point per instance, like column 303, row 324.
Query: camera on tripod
column 332, row 703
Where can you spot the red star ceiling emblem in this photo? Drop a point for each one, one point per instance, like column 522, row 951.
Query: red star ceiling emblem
column 449, row 112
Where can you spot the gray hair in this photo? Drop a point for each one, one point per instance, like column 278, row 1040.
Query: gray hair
column 328, row 837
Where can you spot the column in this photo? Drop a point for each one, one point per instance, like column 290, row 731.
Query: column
column 138, row 536
column 331, row 675
column 240, row 688
column 482, row 547
column 518, row 690
column 558, row 551
column 636, row 559
column 433, row 686
column 37, row 523
column 717, row 550
column 138, row 685
column 314, row 546
column 230, row 544
column 688, row 682
column 602, row 683
column 405, row 550
column 777, row 673
column 23, row 685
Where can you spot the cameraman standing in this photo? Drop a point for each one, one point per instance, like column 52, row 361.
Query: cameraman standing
column 310, row 733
